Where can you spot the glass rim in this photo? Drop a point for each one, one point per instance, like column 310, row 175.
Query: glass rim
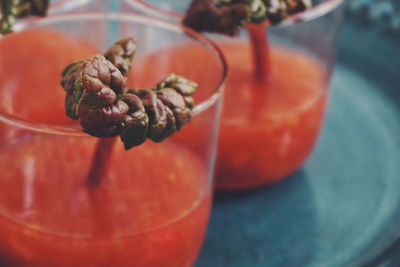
column 66, row 5
column 316, row 11
column 207, row 44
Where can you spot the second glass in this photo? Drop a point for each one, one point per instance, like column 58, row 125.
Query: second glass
column 277, row 90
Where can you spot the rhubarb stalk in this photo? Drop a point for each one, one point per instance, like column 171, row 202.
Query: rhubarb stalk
column 260, row 52
column 101, row 161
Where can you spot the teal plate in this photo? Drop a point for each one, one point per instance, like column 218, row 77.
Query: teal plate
column 343, row 207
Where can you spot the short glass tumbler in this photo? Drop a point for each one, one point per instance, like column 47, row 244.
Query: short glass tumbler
column 276, row 93
column 152, row 207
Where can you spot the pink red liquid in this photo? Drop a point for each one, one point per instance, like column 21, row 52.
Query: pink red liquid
column 267, row 129
column 31, row 63
column 151, row 210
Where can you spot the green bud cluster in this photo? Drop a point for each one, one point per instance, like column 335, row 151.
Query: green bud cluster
column 97, row 98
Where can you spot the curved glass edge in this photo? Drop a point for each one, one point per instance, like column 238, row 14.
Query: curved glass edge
column 75, row 131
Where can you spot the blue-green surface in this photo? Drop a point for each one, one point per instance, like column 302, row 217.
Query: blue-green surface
column 342, row 208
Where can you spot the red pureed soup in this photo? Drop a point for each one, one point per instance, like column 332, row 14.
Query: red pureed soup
column 30, row 72
column 148, row 212
column 151, row 209
column 268, row 128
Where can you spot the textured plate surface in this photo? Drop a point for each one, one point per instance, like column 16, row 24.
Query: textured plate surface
column 343, row 207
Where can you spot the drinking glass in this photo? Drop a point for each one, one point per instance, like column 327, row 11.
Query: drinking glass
column 276, row 94
column 152, row 207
